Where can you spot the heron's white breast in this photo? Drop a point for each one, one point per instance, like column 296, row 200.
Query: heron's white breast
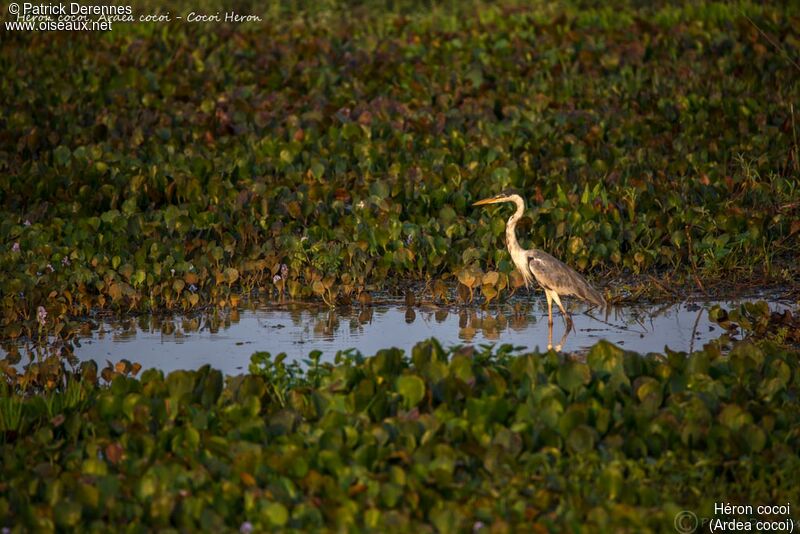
column 520, row 259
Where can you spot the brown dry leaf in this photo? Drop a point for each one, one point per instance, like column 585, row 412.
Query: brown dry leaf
column 318, row 287
column 114, row 452
column 489, row 292
column 114, row 291
column 464, row 293
column 247, row 479
column 107, row 374
column 294, row 209
column 356, row 489
column 516, row 279
column 466, row 277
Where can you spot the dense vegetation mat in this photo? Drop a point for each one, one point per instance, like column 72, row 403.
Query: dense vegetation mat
column 444, row 440
column 331, row 147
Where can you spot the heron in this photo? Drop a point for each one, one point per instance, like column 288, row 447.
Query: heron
column 556, row 278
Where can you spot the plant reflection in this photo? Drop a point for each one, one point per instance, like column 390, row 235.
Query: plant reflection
column 308, row 327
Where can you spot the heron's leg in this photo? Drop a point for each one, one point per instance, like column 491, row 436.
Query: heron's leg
column 550, row 336
column 549, row 309
column 563, row 340
column 567, row 317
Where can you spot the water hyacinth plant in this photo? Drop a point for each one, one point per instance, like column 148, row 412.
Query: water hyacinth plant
column 347, row 144
column 331, row 151
column 438, row 440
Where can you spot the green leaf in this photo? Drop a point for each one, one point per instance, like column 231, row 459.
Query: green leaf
column 391, row 494
column 317, row 169
column 461, row 367
column 649, row 391
column 606, row 357
column 286, row 156
column 755, row 437
column 734, row 417
column 61, row 155
column 379, row 189
column 412, row 388
column 276, row 514
column 67, row 514
column 581, row 439
column 231, row 275
column 574, row 375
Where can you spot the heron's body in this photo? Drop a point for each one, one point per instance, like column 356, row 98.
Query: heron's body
column 556, row 278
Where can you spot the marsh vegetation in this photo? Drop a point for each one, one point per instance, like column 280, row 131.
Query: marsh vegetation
column 329, row 155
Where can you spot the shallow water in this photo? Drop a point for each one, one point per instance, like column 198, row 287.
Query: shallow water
column 227, row 342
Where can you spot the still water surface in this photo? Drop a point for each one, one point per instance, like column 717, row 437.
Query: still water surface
column 226, row 342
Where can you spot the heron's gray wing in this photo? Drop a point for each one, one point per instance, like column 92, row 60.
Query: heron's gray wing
column 556, row 276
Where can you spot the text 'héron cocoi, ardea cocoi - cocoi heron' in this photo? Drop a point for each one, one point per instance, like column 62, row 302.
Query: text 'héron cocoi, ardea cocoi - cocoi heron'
column 556, row 278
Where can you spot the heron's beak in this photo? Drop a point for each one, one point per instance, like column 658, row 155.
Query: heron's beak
column 491, row 200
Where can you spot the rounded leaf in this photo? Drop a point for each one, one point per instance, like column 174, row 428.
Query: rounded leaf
column 574, row 375
column 276, row 514
column 412, row 388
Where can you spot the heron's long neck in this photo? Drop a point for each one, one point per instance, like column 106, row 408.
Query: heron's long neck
column 518, row 254
column 511, row 226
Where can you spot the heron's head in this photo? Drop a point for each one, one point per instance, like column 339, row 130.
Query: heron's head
column 508, row 195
